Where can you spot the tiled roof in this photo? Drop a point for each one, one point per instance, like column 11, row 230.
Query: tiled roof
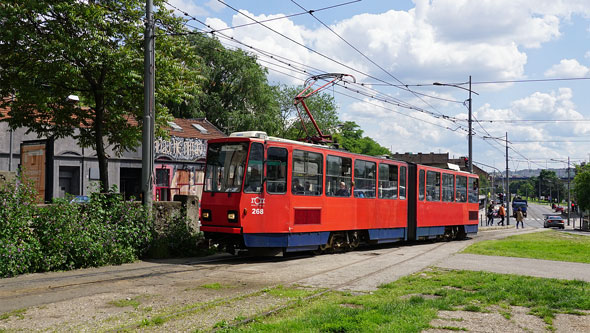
column 199, row 128
column 203, row 130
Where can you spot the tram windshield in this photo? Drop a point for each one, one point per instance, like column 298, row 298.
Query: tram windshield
column 225, row 166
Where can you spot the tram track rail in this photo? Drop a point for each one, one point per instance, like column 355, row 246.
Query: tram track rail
column 294, row 282
column 371, row 256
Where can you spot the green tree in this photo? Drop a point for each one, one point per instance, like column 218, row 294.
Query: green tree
column 236, row 95
column 321, row 105
column 526, row 189
column 549, row 184
column 582, row 186
column 351, row 138
column 93, row 49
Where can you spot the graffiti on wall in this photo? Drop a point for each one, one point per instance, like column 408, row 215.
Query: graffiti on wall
column 181, row 149
column 178, row 179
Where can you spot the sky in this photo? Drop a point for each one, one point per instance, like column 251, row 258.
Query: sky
column 396, row 50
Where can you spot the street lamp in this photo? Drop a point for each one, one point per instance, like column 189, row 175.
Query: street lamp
column 507, row 199
column 469, row 164
column 569, row 202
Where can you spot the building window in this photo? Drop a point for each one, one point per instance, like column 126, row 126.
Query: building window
column 365, row 179
column 388, row 178
column 307, row 173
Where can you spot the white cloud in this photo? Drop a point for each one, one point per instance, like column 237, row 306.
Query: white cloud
column 568, row 68
column 189, row 7
column 587, row 55
column 215, row 5
column 436, row 39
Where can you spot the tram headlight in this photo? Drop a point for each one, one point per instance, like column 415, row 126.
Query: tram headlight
column 232, row 216
column 206, row 215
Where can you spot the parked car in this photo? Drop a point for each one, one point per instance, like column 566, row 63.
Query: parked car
column 553, row 221
column 80, row 199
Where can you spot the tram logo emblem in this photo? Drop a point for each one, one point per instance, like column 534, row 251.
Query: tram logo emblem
column 257, row 202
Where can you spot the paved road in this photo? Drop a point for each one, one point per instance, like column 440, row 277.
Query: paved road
column 535, row 216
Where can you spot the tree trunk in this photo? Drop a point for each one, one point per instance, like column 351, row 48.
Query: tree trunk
column 100, row 149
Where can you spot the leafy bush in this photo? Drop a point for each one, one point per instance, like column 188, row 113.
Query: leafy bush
column 19, row 248
column 62, row 236
column 178, row 239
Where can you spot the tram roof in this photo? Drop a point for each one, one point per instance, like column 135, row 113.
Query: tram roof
column 260, row 135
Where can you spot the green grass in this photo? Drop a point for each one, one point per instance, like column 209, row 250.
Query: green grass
column 19, row 313
column 121, row 303
column 390, row 309
column 549, row 245
column 215, row 286
column 282, row 292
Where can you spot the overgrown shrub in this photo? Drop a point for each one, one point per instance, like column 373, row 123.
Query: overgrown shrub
column 62, row 236
column 178, row 239
column 19, row 248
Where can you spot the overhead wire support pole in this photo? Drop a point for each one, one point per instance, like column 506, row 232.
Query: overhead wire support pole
column 470, row 119
column 147, row 148
column 470, row 131
column 507, row 197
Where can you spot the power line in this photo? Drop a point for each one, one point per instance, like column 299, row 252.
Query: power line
column 274, row 57
column 533, row 120
column 310, row 49
column 366, row 57
column 284, row 16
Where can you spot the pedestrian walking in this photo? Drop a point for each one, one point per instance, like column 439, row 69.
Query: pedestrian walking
column 490, row 214
column 501, row 213
column 519, row 218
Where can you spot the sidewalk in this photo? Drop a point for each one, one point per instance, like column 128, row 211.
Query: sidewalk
column 520, row 266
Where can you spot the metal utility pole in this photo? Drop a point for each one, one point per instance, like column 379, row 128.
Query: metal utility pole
column 147, row 148
column 470, row 162
column 469, row 136
column 569, row 202
column 507, row 199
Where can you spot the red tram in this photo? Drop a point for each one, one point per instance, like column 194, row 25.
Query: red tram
column 266, row 192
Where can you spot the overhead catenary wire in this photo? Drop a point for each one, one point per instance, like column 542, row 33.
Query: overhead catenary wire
column 274, row 56
column 370, row 60
column 310, row 49
column 376, row 95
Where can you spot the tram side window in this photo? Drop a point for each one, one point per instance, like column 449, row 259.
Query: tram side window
column 253, row 183
column 473, row 190
column 276, row 170
column 365, row 179
column 387, row 181
column 461, row 189
column 402, row 183
column 338, row 176
column 421, row 185
column 432, row 186
column 448, row 187
column 307, row 173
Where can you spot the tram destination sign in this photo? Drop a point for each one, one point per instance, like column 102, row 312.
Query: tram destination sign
column 181, row 149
